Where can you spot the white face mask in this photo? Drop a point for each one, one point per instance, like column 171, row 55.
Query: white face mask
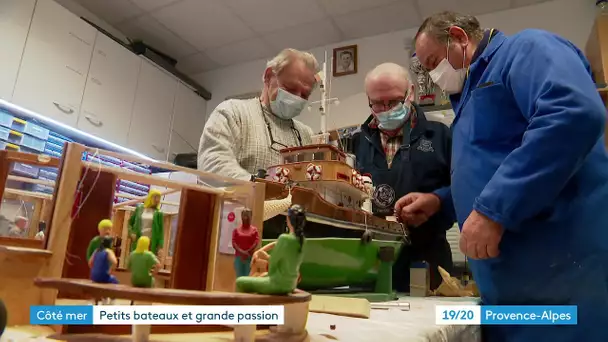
column 287, row 105
column 446, row 77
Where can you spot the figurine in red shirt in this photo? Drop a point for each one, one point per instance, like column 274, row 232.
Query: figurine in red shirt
column 245, row 240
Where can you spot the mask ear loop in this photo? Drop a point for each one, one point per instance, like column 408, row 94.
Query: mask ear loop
column 447, row 51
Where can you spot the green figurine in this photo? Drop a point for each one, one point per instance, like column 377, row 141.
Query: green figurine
column 147, row 220
column 105, row 229
column 284, row 264
column 142, row 263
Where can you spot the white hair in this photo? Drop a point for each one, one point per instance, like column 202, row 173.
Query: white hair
column 287, row 56
column 388, row 69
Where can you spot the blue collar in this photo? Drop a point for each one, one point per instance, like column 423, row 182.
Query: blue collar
column 485, row 52
column 490, row 43
column 487, row 37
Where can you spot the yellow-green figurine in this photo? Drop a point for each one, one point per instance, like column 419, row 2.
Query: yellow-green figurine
column 142, row 263
column 105, row 229
column 284, row 263
column 147, row 220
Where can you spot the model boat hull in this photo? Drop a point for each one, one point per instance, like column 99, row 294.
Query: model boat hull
column 335, row 262
column 313, row 203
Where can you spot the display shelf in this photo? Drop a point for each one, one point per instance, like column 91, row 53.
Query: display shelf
column 12, row 111
column 26, row 131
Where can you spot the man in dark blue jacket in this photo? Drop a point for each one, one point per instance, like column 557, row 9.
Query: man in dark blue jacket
column 529, row 171
column 403, row 153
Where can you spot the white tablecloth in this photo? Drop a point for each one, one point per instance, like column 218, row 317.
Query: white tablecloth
column 393, row 325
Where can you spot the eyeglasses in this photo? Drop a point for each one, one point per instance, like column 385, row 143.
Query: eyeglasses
column 275, row 145
column 381, row 106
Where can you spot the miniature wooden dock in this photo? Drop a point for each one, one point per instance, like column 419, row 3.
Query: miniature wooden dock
column 296, row 305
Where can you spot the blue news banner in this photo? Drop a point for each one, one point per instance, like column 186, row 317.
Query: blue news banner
column 505, row 315
column 157, row 314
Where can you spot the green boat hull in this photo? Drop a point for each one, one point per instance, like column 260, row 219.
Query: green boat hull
column 336, row 262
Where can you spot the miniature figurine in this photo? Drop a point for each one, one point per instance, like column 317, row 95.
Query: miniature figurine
column 142, row 263
column 259, row 262
column 284, row 265
column 41, row 229
column 102, row 261
column 18, row 228
column 245, row 240
column 105, row 229
column 147, row 220
column 369, row 189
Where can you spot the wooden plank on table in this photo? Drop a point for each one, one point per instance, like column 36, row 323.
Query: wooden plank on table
column 341, row 306
column 21, row 242
column 168, row 296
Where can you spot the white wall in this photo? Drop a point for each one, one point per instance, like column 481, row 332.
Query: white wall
column 570, row 18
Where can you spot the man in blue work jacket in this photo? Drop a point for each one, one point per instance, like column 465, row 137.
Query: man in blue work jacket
column 529, row 171
column 403, row 153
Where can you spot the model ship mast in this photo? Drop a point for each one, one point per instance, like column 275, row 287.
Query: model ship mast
column 323, row 96
column 326, row 100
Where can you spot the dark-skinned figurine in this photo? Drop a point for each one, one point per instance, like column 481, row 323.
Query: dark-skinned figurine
column 284, row 264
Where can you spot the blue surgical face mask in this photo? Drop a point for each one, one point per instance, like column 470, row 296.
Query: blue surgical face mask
column 392, row 119
column 287, row 105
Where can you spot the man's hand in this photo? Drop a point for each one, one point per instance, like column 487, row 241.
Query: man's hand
column 480, row 237
column 415, row 208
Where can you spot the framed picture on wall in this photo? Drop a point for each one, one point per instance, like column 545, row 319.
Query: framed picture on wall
column 345, row 61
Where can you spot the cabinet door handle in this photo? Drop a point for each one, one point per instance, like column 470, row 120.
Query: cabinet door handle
column 76, row 36
column 93, row 120
column 96, row 81
column 64, row 109
column 158, row 148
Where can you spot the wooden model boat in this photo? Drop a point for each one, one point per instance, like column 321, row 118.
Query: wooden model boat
column 342, row 239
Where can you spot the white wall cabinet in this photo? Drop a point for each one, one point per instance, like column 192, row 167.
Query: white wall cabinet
column 59, row 66
column 152, row 112
column 189, row 115
column 110, row 91
column 15, row 19
column 55, row 63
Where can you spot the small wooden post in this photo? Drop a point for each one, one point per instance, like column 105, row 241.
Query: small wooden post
column 257, row 217
column 419, row 280
column 296, row 316
column 4, row 169
column 125, row 239
column 61, row 220
column 140, row 333
column 244, row 333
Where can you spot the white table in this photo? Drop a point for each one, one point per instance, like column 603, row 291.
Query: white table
column 393, row 325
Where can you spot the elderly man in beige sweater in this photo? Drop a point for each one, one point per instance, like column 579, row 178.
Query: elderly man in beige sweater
column 244, row 136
